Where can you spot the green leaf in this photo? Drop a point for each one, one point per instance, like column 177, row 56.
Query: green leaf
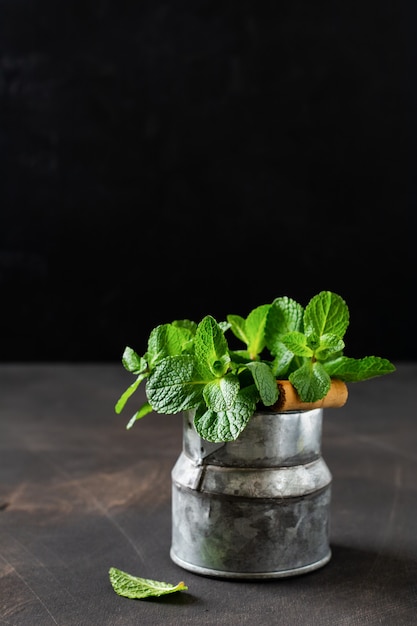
column 132, row 362
column 145, row 409
column 265, row 382
column 285, row 315
column 129, row 391
column 355, row 370
column 251, row 330
column 211, row 349
column 227, row 425
column 221, row 393
column 190, row 366
column 224, row 326
column 187, row 324
column 136, row 588
column 167, row 340
column 296, row 342
column 326, row 313
column 282, row 362
column 329, row 346
column 237, row 326
column 255, row 330
column 311, row 381
column 176, row 384
column 239, row 356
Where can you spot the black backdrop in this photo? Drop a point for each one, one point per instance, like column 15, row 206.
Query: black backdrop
column 170, row 160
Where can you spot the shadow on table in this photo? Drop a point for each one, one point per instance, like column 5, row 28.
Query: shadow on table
column 351, row 567
column 351, row 563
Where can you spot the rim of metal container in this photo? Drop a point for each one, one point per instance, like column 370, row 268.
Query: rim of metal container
column 206, row 571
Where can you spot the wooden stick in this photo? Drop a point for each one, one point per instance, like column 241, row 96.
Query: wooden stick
column 289, row 399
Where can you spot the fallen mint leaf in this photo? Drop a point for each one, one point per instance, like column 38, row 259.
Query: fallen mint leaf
column 133, row 587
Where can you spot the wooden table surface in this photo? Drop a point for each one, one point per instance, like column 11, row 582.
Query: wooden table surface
column 80, row 494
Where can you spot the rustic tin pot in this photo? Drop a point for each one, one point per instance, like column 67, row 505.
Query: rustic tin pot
column 257, row 507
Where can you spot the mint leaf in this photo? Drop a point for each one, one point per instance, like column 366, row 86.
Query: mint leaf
column 265, row 382
column 136, row 588
column 282, row 361
column 175, row 385
column 187, row 324
column 129, row 391
column 326, row 312
column 167, row 340
column 211, row 349
column 145, row 409
column 239, row 356
column 238, row 327
column 311, row 381
column 296, row 342
column 251, row 330
column 329, row 346
column 284, row 316
column 190, row 366
column 355, row 370
column 224, row 326
column 255, row 330
column 227, row 425
column 132, row 362
column 221, row 393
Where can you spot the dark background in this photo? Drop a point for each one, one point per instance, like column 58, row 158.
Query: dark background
column 170, row 160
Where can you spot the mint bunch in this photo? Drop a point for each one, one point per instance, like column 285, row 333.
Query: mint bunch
column 190, row 366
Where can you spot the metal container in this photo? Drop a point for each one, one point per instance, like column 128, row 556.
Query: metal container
column 257, row 507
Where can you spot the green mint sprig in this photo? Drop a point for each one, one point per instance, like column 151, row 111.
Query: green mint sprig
column 136, row 588
column 190, row 366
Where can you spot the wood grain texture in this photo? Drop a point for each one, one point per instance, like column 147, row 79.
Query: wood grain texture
column 79, row 494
